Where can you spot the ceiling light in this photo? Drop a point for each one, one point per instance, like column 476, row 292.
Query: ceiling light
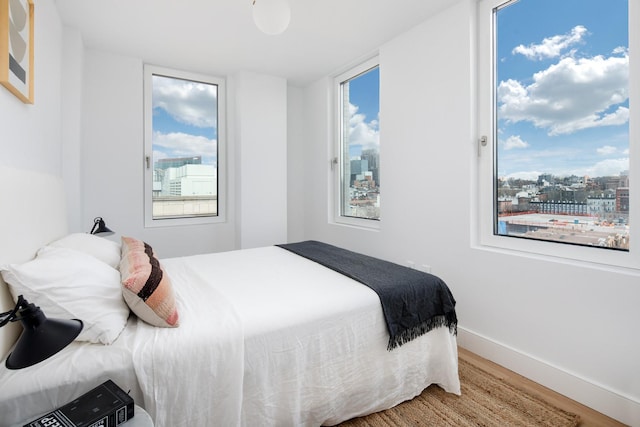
column 271, row 16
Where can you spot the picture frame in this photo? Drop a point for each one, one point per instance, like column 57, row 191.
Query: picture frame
column 16, row 48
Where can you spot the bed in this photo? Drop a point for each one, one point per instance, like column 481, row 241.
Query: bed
column 264, row 336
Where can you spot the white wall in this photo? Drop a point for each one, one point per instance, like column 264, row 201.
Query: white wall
column 261, row 163
column 571, row 327
column 30, row 135
column 296, row 168
column 87, row 126
column 112, row 157
column 71, row 108
column 31, row 138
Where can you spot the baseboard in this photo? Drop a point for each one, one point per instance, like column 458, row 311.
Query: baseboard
column 615, row 405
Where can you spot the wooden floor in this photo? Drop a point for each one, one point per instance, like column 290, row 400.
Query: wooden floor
column 588, row 417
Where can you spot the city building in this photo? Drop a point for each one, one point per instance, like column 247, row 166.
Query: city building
column 188, row 180
column 177, row 162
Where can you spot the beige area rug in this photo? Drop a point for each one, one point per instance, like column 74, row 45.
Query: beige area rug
column 486, row 401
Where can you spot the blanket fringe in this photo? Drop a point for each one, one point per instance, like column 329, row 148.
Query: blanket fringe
column 407, row 335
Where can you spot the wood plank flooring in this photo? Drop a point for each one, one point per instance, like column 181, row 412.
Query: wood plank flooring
column 588, row 416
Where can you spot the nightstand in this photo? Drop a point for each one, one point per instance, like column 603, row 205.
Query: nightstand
column 140, row 419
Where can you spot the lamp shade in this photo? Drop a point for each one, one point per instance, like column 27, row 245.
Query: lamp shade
column 41, row 337
column 100, row 228
column 271, row 16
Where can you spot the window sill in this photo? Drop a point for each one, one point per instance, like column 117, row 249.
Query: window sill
column 597, row 258
column 362, row 224
column 172, row 222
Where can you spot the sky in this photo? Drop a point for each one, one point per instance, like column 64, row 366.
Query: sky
column 364, row 112
column 562, row 88
column 184, row 119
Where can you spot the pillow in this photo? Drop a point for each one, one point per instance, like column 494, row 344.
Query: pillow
column 68, row 284
column 105, row 250
column 145, row 287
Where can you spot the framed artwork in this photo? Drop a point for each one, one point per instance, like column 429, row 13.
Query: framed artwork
column 16, row 48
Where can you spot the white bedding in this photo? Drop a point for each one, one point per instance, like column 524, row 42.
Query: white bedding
column 192, row 374
column 266, row 338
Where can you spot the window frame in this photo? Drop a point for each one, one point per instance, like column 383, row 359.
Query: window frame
column 221, row 161
column 486, row 151
column 337, row 160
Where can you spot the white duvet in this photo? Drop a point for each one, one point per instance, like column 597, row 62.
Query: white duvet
column 266, row 338
column 192, row 375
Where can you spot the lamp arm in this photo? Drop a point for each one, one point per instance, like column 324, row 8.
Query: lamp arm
column 95, row 225
column 11, row 314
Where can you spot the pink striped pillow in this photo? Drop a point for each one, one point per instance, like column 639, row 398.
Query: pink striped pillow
column 146, row 289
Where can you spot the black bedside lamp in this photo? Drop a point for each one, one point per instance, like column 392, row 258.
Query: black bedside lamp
column 41, row 337
column 99, row 228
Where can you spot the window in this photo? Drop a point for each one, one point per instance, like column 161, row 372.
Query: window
column 554, row 120
column 184, row 148
column 357, row 165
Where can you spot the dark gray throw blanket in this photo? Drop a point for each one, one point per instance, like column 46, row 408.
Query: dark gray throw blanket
column 413, row 302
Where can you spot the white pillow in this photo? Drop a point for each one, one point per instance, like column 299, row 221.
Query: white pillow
column 105, row 250
column 68, row 284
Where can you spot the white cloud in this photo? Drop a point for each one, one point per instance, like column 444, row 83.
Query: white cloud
column 618, row 117
column 514, row 141
column 609, row 167
column 525, row 175
column 606, row 150
column 174, row 145
column 186, row 101
column 552, row 47
column 571, row 95
column 365, row 134
column 621, row 50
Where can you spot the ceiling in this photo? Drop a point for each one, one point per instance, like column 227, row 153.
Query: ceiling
column 219, row 36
